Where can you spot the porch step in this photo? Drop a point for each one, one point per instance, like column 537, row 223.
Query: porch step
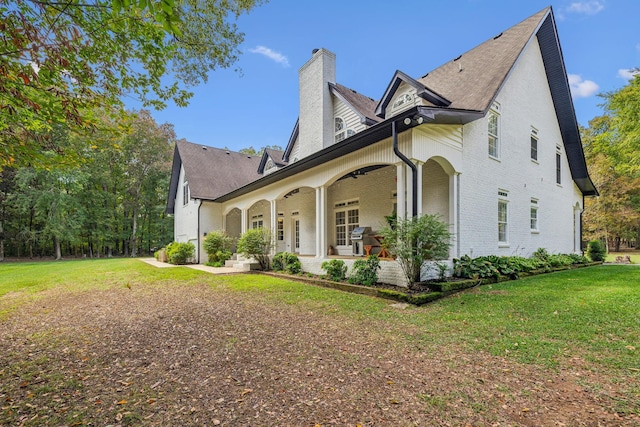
column 241, row 263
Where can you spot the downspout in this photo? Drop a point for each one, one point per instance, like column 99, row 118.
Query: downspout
column 414, row 170
column 198, row 231
column 581, row 225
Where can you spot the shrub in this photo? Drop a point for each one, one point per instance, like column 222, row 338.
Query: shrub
column 365, row 271
column 541, row 254
column 416, row 240
column 596, row 251
column 336, row 269
column 256, row 243
column 578, row 259
column 287, row 262
column 560, row 260
column 180, row 253
column 218, row 246
column 474, row 268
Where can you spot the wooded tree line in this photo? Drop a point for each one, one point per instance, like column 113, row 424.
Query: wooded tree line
column 110, row 201
column 612, row 149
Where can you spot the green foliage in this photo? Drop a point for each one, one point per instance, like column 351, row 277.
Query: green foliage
column 474, row 268
column 112, row 202
column 62, row 63
column 596, row 251
column 287, row 262
column 180, row 253
column 494, row 266
column 365, row 271
column 256, row 243
column 218, row 245
column 336, row 269
column 416, row 240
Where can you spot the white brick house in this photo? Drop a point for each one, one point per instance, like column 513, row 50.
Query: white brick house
column 488, row 140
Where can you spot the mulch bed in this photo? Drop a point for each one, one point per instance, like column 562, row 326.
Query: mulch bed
column 201, row 355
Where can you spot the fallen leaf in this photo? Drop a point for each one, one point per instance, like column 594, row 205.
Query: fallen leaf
column 246, row 391
column 122, row 402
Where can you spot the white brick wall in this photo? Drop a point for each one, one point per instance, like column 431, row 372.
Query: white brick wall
column 390, row 271
column 525, row 101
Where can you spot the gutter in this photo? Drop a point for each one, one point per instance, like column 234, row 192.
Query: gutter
column 414, row 171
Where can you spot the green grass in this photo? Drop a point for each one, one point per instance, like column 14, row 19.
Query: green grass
column 589, row 313
column 635, row 256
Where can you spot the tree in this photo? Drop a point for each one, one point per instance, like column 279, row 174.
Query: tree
column 60, row 61
column 416, row 240
column 611, row 146
column 250, row 151
column 256, row 243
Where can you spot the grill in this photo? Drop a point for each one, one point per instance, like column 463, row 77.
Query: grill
column 361, row 237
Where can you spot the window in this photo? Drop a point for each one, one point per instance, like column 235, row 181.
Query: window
column 185, row 193
column 534, row 145
column 558, row 166
column 402, row 101
column 534, row 215
column 347, row 218
column 280, row 227
column 503, row 217
column 257, row 221
column 341, row 131
column 269, row 164
column 297, row 234
column 493, row 129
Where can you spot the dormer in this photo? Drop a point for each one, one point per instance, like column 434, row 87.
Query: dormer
column 271, row 161
column 405, row 92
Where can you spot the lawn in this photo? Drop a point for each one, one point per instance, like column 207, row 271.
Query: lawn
column 535, row 351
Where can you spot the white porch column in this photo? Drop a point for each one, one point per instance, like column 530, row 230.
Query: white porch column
column 419, row 166
column 243, row 219
column 454, row 218
column 274, row 226
column 321, row 221
column 401, row 188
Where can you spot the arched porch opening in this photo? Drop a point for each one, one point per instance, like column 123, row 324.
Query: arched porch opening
column 233, row 223
column 295, row 221
column 259, row 215
column 362, row 197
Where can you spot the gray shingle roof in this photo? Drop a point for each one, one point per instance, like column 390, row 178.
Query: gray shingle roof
column 211, row 172
column 484, row 68
column 363, row 104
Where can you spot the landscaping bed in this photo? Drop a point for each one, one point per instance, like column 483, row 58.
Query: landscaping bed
column 419, row 293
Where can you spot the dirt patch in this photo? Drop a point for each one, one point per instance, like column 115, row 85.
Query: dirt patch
column 199, row 355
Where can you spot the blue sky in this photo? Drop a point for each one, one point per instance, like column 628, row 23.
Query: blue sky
column 372, row 39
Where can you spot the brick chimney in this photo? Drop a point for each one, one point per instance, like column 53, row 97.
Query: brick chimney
column 316, row 108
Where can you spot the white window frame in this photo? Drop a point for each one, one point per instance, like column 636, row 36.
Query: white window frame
column 493, row 135
column 280, row 227
column 346, row 207
column 257, row 221
column 503, row 223
column 185, row 193
column 534, row 137
column 534, row 217
column 343, row 132
column 558, row 165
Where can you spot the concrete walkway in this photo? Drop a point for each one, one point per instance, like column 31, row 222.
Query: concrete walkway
column 213, row 270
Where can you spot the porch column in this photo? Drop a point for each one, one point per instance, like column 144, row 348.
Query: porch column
column 401, row 190
column 454, row 218
column 273, row 224
column 243, row 220
column 321, row 221
column 409, row 195
column 419, row 166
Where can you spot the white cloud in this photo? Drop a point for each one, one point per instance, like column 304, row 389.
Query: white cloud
column 627, row 74
column 582, row 88
column 586, row 7
column 273, row 55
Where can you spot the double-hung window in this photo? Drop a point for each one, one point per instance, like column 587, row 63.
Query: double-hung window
column 503, row 217
column 185, row 193
column 558, row 165
column 493, row 130
column 534, row 145
column 534, row 215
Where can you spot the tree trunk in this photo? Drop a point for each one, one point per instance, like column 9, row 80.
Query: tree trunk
column 134, row 229
column 617, row 244
column 56, row 243
column 1, row 242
